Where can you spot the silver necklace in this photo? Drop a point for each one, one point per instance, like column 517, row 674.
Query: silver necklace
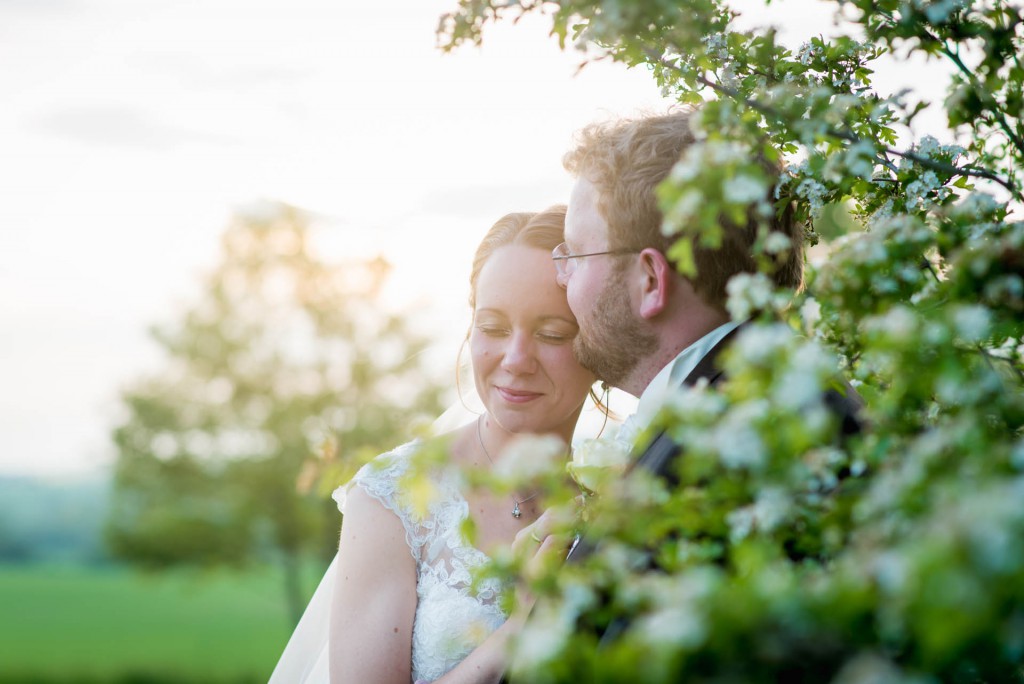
column 480, row 438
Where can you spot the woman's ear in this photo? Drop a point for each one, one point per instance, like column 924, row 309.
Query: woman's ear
column 658, row 277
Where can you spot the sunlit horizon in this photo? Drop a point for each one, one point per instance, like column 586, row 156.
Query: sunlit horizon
column 138, row 129
column 133, row 131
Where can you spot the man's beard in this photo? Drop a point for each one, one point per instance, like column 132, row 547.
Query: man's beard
column 613, row 341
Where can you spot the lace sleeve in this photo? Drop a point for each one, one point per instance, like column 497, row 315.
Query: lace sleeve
column 381, row 479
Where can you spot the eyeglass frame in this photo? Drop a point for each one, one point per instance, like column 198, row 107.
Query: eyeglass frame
column 562, row 260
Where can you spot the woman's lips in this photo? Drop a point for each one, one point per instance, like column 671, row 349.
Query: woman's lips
column 517, row 396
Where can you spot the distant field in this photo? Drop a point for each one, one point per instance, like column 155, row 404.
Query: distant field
column 77, row 624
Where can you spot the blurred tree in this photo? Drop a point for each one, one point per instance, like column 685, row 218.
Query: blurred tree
column 285, row 360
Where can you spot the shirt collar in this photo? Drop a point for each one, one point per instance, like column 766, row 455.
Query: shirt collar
column 673, row 374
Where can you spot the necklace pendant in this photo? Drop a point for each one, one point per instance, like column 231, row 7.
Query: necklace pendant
column 515, row 511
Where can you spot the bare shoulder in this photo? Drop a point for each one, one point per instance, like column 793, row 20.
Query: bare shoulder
column 366, row 515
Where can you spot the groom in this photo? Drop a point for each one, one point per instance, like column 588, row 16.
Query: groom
column 644, row 328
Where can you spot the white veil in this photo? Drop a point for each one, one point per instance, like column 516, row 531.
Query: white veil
column 304, row 660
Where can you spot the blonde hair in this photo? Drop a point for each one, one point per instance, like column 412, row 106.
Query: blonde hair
column 543, row 230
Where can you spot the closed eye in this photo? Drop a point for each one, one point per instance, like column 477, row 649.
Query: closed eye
column 492, row 331
column 554, row 337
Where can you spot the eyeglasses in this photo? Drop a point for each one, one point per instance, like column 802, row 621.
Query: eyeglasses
column 564, row 259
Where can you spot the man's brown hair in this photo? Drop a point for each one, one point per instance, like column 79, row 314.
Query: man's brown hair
column 627, row 159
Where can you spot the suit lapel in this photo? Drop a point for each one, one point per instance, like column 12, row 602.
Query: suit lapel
column 708, row 367
column 660, row 452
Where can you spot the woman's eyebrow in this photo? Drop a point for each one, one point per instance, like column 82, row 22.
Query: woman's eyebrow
column 563, row 319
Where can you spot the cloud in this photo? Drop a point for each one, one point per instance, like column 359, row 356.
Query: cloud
column 119, row 127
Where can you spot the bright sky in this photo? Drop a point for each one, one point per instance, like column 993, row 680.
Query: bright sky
column 131, row 129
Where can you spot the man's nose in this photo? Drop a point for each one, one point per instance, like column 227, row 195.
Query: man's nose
column 519, row 354
column 562, row 278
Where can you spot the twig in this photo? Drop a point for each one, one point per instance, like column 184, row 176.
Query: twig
column 848, row 136
column 1000, row 120
column 954, row 56
column 988, row 356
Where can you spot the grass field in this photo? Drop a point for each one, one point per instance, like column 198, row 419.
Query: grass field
column 77, row 625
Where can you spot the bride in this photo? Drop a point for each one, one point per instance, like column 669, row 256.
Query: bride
column 398, row 594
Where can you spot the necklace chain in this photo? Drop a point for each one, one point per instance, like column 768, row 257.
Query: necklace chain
column 480, row 438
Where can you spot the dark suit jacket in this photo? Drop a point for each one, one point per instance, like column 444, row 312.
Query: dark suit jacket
column 659, row 456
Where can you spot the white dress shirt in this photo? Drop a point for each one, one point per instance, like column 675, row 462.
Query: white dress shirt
column 668, row 379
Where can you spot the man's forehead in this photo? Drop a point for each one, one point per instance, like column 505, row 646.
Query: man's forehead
column 583, row 222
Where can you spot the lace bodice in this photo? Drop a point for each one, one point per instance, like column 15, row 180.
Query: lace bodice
column 452, row 618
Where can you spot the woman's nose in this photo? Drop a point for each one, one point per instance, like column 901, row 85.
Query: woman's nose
column 519, row 354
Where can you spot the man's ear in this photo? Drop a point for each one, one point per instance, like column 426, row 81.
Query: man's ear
column 658, row 278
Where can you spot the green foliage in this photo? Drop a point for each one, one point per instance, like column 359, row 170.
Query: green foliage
column 287, row 369
column 787, row 553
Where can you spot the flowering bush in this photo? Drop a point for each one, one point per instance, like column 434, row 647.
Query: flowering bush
column 787, row 553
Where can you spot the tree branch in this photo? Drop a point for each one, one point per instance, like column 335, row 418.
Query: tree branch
column 848, row 136
column 954, row 56
column 1004, row 126
column 989, row 356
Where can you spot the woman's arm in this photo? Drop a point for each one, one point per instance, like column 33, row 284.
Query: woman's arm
column 487, row 663
column 374, row 600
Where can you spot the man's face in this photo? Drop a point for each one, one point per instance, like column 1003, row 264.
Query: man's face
column 612, row 339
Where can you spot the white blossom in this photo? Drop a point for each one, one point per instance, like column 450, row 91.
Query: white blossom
column 1017, row 454
column 777, row 242
column 772, row 508
column 728, row 77
column 929, row 147
column 594, row 460
column 722, row 152
column 891, row 571
column 939, row 11
column 743, row 189
column 678, row 618
column 748, row 292
column 741, row 523
column 548, row 632
column 899, row 323
column 972, row 322
column 685, row 208
column 807, row 52
column 882, row 214
column 695, row 403
column 686, row 169
column 737, row 441
column 530, row 457
column 859, row 159
column 870, row 668
column 715, row 46
column 1008, row 286
column 810, row 312
column 814, row 192
column 759, row 343
column 800, row 383
column 769, row 510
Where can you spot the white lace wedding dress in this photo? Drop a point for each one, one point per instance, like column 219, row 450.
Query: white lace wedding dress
column 452, row 617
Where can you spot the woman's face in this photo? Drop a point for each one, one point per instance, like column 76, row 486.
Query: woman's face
column 521, row 344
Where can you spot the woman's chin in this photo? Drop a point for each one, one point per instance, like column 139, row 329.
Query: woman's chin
column 517, row 419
